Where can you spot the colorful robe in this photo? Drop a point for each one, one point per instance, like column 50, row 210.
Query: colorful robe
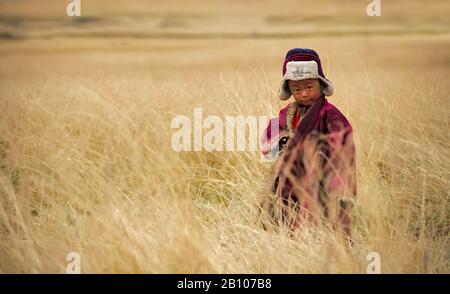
column 315, row 178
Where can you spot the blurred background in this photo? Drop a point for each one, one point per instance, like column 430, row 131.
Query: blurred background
column 220, row 19
column 86, row 104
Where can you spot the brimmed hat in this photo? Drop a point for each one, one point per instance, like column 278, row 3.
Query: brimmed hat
column 302, row 64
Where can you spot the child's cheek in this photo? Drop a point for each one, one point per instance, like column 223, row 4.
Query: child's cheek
column 318, row 93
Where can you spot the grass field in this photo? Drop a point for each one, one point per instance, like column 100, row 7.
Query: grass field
column 86, row 163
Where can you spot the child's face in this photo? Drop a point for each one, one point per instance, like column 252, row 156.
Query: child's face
column 305, row 91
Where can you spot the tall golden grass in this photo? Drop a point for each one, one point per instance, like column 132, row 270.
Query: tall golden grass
column 86, row 163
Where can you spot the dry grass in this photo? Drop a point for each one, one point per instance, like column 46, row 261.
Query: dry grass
column 86, row 163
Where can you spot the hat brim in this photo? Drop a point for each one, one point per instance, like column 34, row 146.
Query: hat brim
column 302, row 70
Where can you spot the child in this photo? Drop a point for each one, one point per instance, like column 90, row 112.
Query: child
column 315, row 178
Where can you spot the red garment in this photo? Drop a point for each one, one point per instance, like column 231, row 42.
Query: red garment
column 296, row 119
column 318, row 165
